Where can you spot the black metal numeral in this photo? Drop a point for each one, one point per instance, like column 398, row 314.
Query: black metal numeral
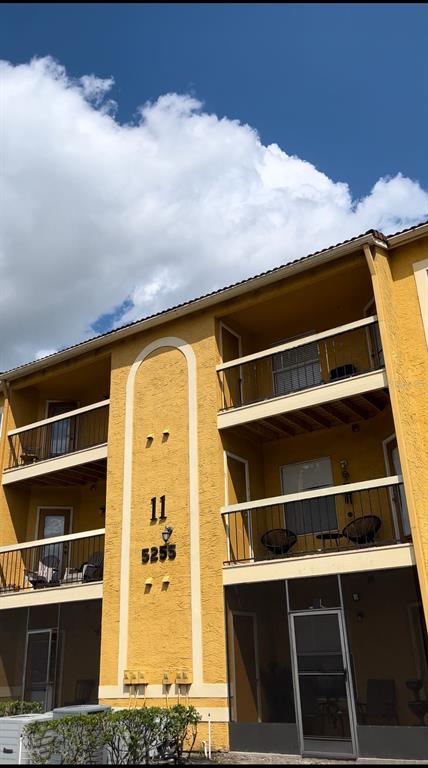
column 145, row 557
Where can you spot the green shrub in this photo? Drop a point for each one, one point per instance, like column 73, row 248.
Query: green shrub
column 13, row 707
column 130, row 736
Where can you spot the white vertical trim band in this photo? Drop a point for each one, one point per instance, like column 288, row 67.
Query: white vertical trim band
column 195, row 570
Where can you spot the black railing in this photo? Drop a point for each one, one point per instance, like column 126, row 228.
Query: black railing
column 357, row 519
column 64, row 561
column 302, row 366
column 58, row 437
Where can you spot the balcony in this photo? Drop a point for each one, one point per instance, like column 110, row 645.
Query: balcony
column 29, row 571
column 341, row 363
column 60, row 445
column 351, row 517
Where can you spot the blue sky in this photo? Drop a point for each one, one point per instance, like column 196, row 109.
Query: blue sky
column 344, row 86
column 287, row 128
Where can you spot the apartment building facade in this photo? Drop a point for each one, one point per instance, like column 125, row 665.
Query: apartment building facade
column 225, row 505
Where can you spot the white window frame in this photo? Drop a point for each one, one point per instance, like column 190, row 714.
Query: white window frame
column 327, row 485
column 420, row 270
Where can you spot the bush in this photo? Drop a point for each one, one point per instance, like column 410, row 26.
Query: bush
column 129, row 736
column 12, row 707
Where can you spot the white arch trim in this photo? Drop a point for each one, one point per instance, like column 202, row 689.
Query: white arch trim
column 195, row 570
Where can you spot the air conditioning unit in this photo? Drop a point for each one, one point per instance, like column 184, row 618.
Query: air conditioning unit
column 100, row 757
column 12, row 744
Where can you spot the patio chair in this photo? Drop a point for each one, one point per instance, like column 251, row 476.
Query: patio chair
column 93, row 569
column 381, row 704
column 90, row 570
column 279, row 540
column 363, row 529
column 29, row 454
column 46, row 574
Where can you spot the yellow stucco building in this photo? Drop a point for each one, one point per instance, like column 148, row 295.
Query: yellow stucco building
column 225, row 504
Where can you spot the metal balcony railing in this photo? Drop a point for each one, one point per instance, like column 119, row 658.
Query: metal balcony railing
column 55, row 562
column 58, row 436
column 322, row 358
column 346, row 517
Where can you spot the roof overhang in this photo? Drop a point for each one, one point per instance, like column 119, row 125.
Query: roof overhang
column 409, row 235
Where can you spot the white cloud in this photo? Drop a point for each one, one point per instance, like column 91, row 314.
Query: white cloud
column 93, row 212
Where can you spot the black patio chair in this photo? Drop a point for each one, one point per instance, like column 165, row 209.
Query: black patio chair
column 363, row 529
column 279, row 540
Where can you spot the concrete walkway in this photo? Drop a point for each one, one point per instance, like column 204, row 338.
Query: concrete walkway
column 263, row 758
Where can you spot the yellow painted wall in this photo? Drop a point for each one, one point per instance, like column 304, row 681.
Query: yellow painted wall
column 406, row 361
column 160, row 618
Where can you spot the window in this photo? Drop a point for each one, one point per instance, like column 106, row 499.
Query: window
column 309, row 515
column 296, row 369
column 420, row 270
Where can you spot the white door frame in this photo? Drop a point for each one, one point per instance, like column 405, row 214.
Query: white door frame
column 253, row 615
column 239, row 337
column 226, row 455
column 48, row 685
column 391, row 490
column 348, row 675
column 53, row 506
column 48, row 402
column 59, row 508
column 370, row 309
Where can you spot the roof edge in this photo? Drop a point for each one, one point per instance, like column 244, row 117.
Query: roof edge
column 413, row 233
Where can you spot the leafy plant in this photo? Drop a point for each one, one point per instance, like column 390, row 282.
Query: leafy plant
column 13, row 707
column 130, row 737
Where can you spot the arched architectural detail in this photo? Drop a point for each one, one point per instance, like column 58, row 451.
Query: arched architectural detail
column 195, row 578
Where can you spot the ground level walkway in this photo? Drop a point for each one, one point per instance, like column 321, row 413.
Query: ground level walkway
column 262, row 758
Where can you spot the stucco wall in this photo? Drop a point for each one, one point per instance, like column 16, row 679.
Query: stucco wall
column 406, row 361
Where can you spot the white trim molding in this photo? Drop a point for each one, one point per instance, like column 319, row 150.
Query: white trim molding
column 315, row 493
column 16, row 474
column 51, row 419
column 420, row 270
column 157, row 691
column 306, row 398
column 53, row 539
column 349, row 561
column 66, row 593
column 185, row 348
column 298, row 343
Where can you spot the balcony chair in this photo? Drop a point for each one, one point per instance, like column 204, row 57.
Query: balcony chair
column 90, row 570
column 29, row 455
column 362, row 530
column 93, row 569
column 381, row 704
column 47, row 573
column 279, row 540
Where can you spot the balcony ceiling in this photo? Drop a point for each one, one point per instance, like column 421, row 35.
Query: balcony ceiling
column 337, row 412
column 78, row 475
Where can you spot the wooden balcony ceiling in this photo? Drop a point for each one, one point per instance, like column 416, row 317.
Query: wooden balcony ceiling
column 79, row 475
column 344, row 411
